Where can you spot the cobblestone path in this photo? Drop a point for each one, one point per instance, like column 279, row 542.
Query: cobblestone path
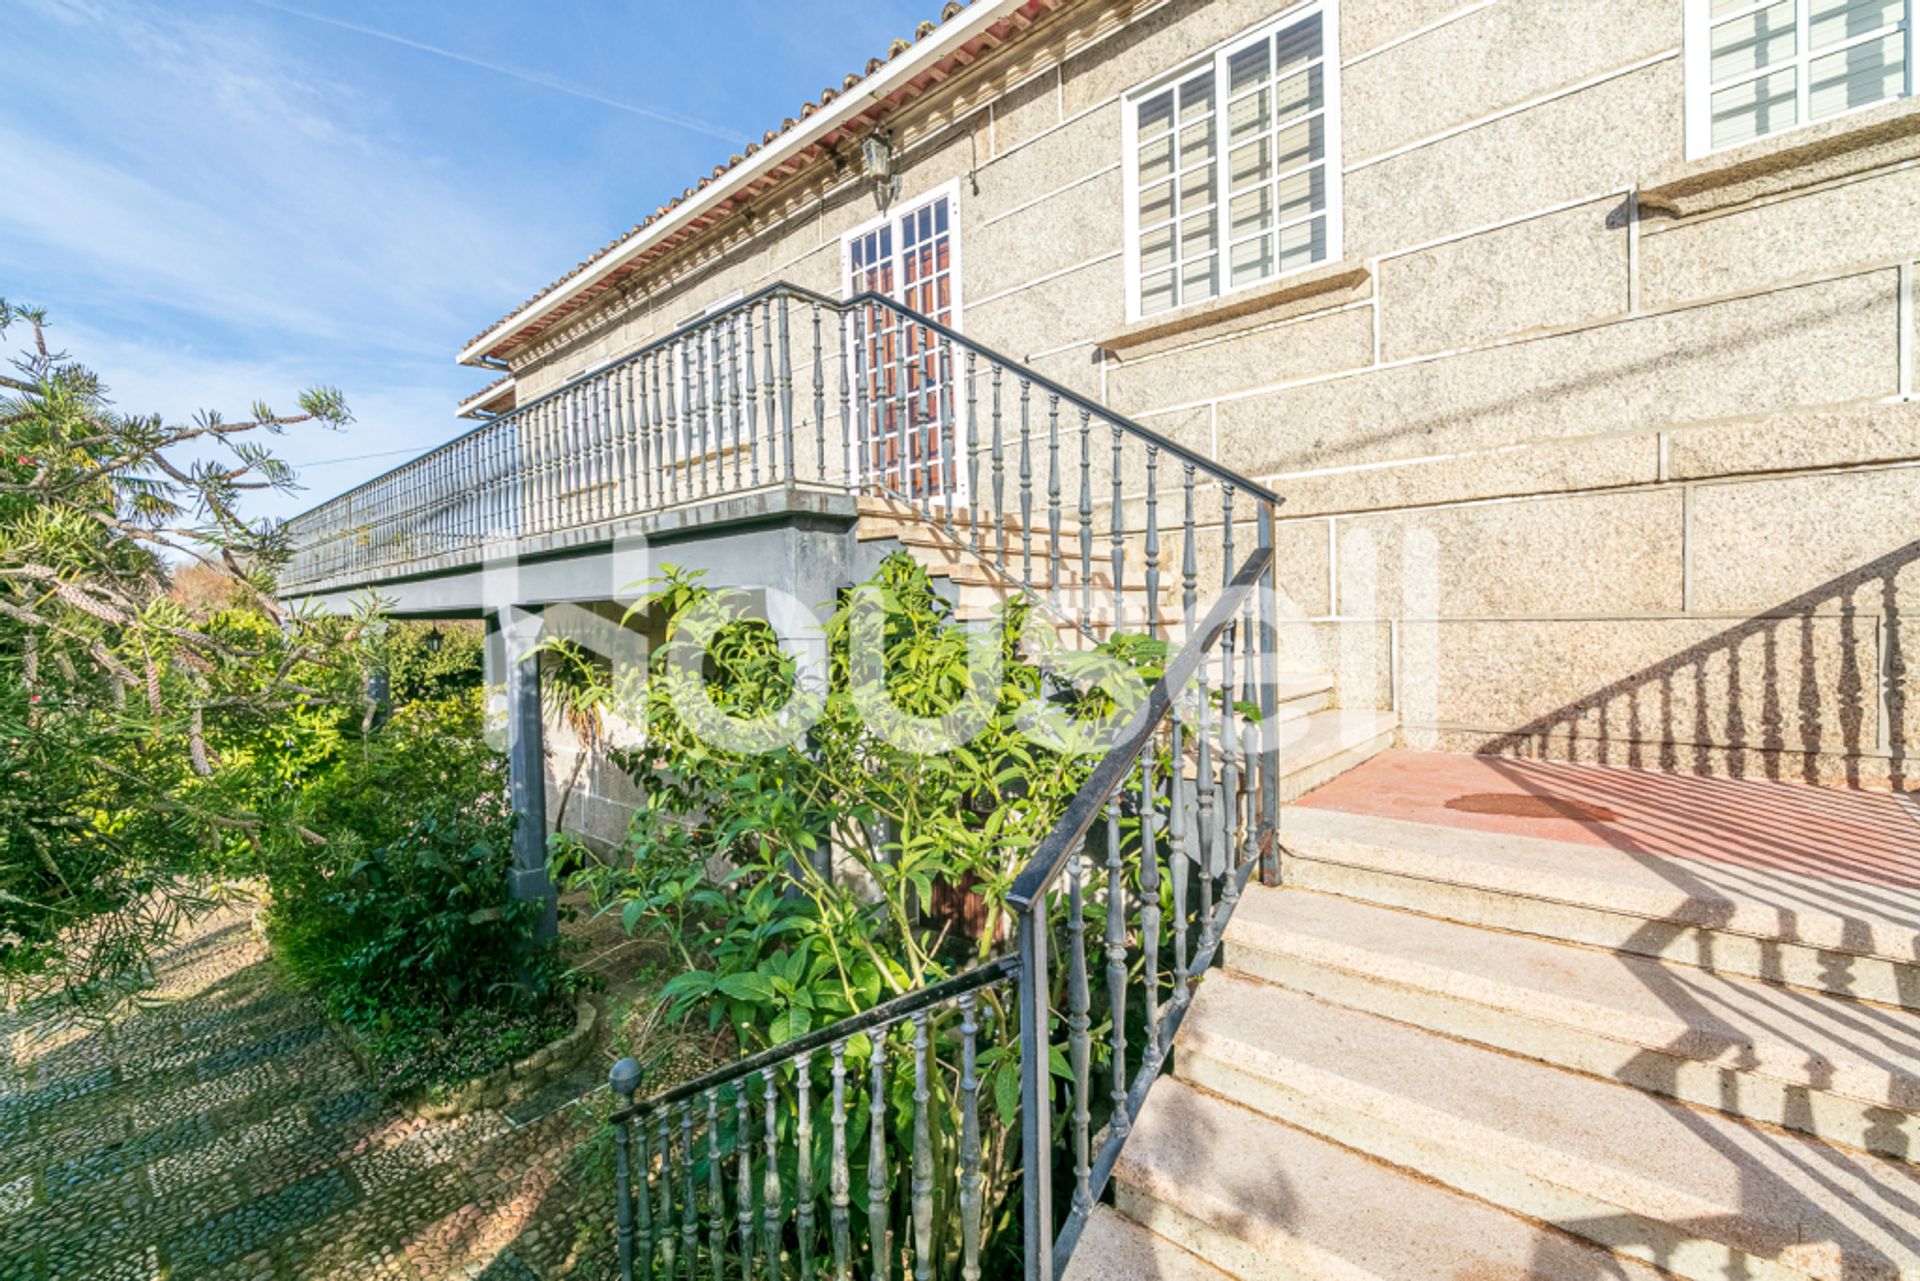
column 224, row 1133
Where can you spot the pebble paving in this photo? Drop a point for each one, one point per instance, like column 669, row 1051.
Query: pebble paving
column 223, row 1134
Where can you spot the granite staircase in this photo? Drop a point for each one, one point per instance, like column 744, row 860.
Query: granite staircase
column 1446, row 1053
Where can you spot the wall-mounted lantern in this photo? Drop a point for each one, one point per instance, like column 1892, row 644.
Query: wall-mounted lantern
column 876, row 156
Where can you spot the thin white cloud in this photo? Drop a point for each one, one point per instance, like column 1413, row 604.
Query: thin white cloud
column 197, row 167
column 544, row 81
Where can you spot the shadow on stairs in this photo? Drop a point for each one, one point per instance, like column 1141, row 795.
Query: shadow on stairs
column 1661, row 1027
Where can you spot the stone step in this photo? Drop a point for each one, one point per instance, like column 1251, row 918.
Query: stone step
column 1702, row 1194
column 1263, row 1201
column 1299, row 694
column 1319, row 747
column 984, row 589
column 911, row 528
column 967, row 569
column 1843, row 1070
column 955, row 556
column 1113, row 1247
column 1825, row 933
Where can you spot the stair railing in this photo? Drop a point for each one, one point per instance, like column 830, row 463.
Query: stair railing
column 1054, row 491
column 1051, row 491
column 1114, row 527
column 1150, row 858
column 714, row 409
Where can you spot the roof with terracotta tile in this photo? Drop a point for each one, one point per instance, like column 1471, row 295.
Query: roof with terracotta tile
column 499, row 389
column 1014, row 16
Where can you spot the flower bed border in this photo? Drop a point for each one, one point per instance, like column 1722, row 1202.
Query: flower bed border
column 506, row 1084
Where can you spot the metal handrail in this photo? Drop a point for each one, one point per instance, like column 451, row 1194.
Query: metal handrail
column 904, row 1006
column 1240, row 841
column 1197, row 779
column 1105, row 413
column 679, row 336
column 1051, row 856
column 654, row 347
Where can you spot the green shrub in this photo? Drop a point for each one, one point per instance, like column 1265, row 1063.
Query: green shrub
column 723, row 861
column 427, row 662
column 401, row 922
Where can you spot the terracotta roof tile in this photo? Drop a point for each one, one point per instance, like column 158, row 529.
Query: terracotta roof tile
column 948, row 12
column 470, row 403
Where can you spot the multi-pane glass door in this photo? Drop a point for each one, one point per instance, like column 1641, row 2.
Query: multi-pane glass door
column 910, row 441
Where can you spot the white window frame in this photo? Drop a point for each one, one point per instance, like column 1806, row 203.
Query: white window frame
column 895, row 214
column 1329, row 14
column 947, row 191
column 1698, row 58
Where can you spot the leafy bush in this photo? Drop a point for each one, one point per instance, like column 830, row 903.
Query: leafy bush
column 773, row 944
column 727, row 860
column 401, row 923
column 118, row 708
column 426, row 662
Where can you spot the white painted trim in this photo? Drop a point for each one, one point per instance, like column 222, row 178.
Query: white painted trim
column 1328, row 12
column 1696, row 68
column 1238, row 335
column 1061, row 190
column 893, row 216
column 1633, row 252
column 1333, row 565
column 1686, row 549
column 1275, row 479
column 1050, row 276
column 1514, row 340
column 948, row 191
column 1082, row 345
column 1907, row 331
column 813, row 207
column 1451, row 237
column 1393, row 663
column 1279, row 480
column 962, row 27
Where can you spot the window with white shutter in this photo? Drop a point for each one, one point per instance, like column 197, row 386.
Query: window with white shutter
column 1233, row 166
column 1755, row 69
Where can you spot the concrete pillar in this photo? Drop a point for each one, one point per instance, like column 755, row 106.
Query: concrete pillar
column 527, row 767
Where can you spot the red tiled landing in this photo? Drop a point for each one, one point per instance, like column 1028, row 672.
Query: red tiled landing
column 1862, row 836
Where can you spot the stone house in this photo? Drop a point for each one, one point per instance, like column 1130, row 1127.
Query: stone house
column 1575, row 337
column 1631, row 365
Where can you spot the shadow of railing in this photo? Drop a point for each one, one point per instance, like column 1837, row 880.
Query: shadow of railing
column 1761, row 699
column 1798, row 852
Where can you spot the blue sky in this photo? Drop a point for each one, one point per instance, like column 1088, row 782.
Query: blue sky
column 224, row 200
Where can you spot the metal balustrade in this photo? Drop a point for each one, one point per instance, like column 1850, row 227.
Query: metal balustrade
column 1118, row 912
column 753, row 1164
column 1131, row 892
column 706, row 412
column 788, row 389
